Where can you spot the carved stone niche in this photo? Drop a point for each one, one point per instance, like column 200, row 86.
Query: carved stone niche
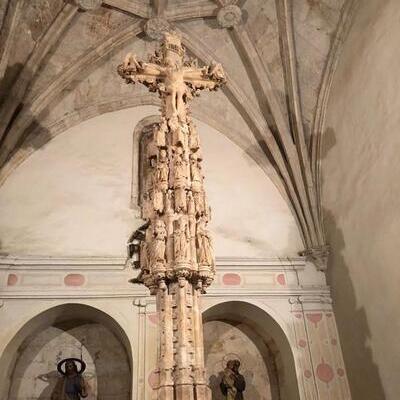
column 88, row 5
column 144, row 169
column 140, row 168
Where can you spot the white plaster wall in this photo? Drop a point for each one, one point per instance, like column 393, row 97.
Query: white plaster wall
column 72, row 197
column 361, row 191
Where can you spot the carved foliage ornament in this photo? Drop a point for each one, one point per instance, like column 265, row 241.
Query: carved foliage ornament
column 229, row 16
column 88, row 5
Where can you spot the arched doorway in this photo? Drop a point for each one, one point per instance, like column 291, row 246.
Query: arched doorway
column 68, row 330
column 237, row 329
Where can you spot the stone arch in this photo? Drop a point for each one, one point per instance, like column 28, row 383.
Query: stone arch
column 268, row 336
column 64, row 317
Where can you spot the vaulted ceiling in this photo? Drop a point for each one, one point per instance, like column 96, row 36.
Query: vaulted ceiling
column 58, row 68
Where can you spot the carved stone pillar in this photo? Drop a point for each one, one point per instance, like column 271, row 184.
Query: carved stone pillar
column 176, row 256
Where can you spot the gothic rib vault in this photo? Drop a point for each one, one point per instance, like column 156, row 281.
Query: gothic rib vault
column 279, row 56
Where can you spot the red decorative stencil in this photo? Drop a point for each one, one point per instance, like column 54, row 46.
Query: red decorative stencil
column 281, row 279
column 231, row 279
column 325, row 372
column 315, row 318
column 153, row 318
column 307, row 373
column 153, row 379
column 302, row 343
column 74, row 280
column 12, row 280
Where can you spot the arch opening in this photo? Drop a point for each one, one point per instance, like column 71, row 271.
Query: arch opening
column 70, row 330
column 237, row 329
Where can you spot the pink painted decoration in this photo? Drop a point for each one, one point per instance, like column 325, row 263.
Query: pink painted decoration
column 307, row 373
column 315, row 318
column 74, row 280
column 302, row 343
column 298, row 316
column 281, row 279
column 153, row 318
column 12, row 280
column 325, row 372
column 153, row 379
column 334, row 342
column 231, row 279
column 340, row 372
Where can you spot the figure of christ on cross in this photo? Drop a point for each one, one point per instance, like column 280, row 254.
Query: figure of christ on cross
column 174, row 79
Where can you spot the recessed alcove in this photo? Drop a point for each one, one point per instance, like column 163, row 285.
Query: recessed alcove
column 240, row 330
column 69, row 330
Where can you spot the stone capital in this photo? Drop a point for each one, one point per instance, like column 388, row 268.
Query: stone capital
column 318, row 256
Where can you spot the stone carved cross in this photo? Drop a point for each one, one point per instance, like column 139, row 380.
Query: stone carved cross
column 176, row 256
column 174, row 79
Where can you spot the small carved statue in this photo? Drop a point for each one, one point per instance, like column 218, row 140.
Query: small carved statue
column 180, row 169
column 162, row 171
column 216, row 71
column 72, row 385
column 159, row 133
column 232, row 383
column 131, row 63
column 194, row 141
column 195, row 171
column 169, row 209
column 199, row 202
column 181, row 240
column 205, row 253
column 157, row 251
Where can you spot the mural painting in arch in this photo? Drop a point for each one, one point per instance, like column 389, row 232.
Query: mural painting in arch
column 238, row 330
column 72, row 331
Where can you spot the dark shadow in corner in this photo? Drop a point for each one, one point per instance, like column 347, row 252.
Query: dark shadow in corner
column 352, row 321
column 35, row 135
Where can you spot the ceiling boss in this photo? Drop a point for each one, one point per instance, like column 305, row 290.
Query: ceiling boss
column 176, row 256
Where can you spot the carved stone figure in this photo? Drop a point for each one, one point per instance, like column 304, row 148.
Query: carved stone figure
column 205, row 250
column 159, row 133
column 181, row 240
column 233, row 383
column 180, row 169
column 162, row 171
column 194, row 141
column 157, row 247
column 196, row 175
column 72, row 385
column 199, row 202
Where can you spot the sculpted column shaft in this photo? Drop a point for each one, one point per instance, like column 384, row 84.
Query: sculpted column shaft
column 176, row 255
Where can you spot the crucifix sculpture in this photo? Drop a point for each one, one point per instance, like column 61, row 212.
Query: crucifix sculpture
column 176, row 256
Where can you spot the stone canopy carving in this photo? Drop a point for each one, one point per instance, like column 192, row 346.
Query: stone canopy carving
column 176, row 256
